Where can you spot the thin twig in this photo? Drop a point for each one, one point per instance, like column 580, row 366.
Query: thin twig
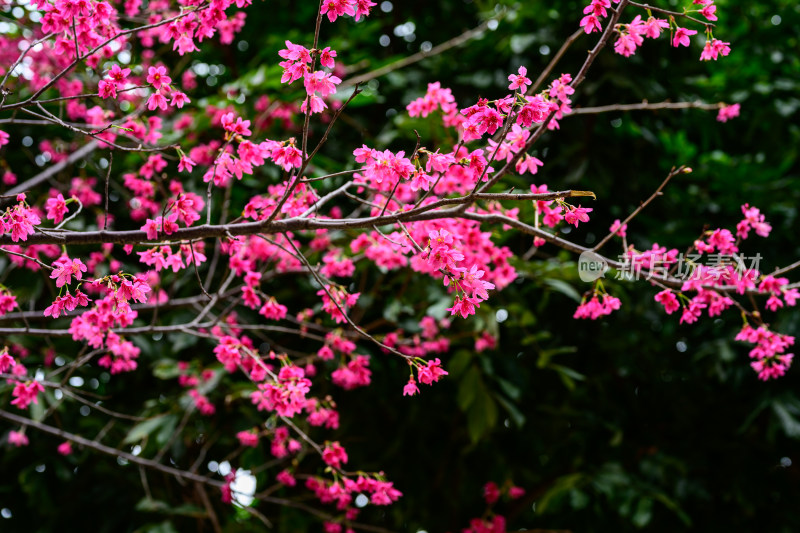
column 341, row 309
column 674, row 172
column 556, row 58
column 419, row 56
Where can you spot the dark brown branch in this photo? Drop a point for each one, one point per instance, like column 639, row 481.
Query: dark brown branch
column 426, row 212
column 644, row 106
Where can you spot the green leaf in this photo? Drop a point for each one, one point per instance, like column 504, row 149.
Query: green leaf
column 392, row 311
column 578, row 499
column 546, row 355
column 182, row 341
column 482, row 416
column 511, row 390
column 564, row 370
column 37, row 411
column 439, row 309
column 143, row 429
column 163, row 435
column 458, row 363
column 791, row 426
column 753, row 415
column 564, row 288
column 149, row 505
column 643, row 513
column 521, row 41
column 568, row 376
column 674, row 507
column 561, row 485
column 516, row 415
column 468, row 388
column 166, row 369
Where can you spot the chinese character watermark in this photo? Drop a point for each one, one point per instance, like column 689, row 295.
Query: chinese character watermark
column 716, row 267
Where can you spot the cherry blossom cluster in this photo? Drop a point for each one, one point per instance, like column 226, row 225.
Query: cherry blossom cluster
column 284, row 392
column 339, row 8
column 436, row 98
column 336, row 301
column 8, row 301
column 286, row 395
column 340, row 493
column 770, row 359
column 428, row 372
column 113, row 310
column 25, row 391
column 712, row 286
column 630, row 36
column 429, row 340
column 319, row 84
column 19, row 220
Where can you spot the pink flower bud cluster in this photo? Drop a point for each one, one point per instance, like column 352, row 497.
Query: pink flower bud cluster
column 282, row 445
column 598, row 305
column 430, row 341
column 341, row 492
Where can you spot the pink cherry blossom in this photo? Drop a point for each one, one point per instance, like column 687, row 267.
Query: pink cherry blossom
column 668, row 299
column 248, row 438
column 728, row 112
column 519, row 81
column 65, row 268
column 17, row 438
column 431, row 372
column 26, row 393
column 157, row 77
column 65, row 448
column 334, row 455
column 681, row 36
column 575, row 215
column 491, row 492
column 285, row 477
column 410, row 388
column 56, row 208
